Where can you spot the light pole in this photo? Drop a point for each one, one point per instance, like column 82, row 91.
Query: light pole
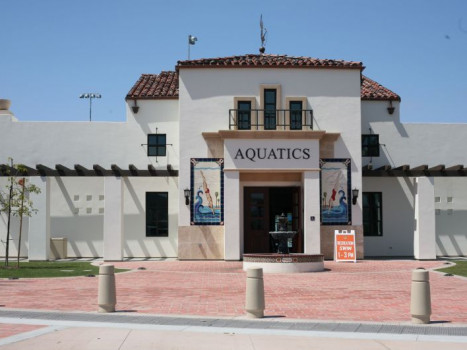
column 90, row 96
column 191, row 41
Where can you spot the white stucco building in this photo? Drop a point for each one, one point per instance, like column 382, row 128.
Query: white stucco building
column 213, row 152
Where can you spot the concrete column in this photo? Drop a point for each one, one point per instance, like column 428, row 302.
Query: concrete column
column 39, row 224
column 425, row 225
column 232, row 229
column 311, row 200
column 113, row 219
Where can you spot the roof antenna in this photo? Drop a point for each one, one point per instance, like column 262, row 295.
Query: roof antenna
column 264, row 31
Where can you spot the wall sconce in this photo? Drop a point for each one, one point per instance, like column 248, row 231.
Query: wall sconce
column 354, row 196
column 135, row 108
column 187, row 196
column 391, row 108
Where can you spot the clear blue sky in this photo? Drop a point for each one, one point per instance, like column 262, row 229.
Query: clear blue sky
column 54, row 50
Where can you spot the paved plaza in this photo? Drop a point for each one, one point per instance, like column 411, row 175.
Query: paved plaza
column 370, row 296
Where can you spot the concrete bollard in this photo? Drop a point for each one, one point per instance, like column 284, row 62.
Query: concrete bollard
column 254, row 304
column 420, row 299
column 106, row 297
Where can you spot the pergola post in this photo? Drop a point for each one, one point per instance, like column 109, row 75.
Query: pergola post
column 39, row 223
column 113, row 218
column 425, row 225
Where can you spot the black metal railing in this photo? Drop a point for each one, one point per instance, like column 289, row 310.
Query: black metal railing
column 276, row 119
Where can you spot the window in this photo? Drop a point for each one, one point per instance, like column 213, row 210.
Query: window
column 296, row 108
column 370, row 145
column 269, row 109
column 157, row 214
column 244, row 115
column 157, row 144
column 372, row 213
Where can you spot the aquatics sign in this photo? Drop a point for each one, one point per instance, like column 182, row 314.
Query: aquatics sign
column 344, row 246
column 279, row 153
column 271, row 154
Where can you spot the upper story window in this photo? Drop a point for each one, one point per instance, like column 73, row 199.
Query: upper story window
column 244, row 115
column 296, row 112
column 157, row 145
column 370, row 145
column 270, row 105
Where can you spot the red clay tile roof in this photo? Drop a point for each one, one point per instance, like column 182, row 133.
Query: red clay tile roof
column 267, row 61
column 371, row 90
column 155, row 86
column 165, row 86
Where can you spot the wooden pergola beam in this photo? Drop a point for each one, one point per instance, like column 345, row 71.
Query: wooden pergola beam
column 79, row 170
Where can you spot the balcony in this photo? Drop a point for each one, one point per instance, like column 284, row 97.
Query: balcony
column 276, row 119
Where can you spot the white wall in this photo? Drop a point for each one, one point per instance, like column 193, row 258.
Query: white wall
column 136, row 244
column 78, row 203
column 413, row 143
column 88, row 143
column 206, row 95
column 417, row 144
column 398, row 217
column 451, row 216
column 77, row 213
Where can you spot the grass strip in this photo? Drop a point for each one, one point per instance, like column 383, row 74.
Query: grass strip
column 44, row 269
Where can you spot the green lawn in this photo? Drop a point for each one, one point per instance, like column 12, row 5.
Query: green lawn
column 459, row 269
column 49, row 269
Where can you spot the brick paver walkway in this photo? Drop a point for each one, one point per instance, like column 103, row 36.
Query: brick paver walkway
column 365, row 291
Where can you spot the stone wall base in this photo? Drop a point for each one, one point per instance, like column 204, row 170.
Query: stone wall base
column 201, row 242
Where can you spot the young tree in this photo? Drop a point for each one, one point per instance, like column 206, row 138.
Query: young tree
column 15, row 201
column 24, row 207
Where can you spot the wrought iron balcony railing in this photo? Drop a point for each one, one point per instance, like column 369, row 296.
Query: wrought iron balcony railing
column 275, row 119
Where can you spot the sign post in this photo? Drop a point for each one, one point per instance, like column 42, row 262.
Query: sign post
column 344, row 246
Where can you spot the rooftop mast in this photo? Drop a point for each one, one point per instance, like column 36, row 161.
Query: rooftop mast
column 264, row 31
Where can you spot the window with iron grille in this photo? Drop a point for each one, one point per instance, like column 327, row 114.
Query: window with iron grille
column 157, row 145
column 370, row 145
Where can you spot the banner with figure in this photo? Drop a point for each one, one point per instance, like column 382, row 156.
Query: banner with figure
column 207, row 191
column 335, row 192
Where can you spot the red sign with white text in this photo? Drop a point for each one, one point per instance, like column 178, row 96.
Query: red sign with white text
column 344, row 246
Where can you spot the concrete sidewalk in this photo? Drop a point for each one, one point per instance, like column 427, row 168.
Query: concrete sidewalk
column 59, row 330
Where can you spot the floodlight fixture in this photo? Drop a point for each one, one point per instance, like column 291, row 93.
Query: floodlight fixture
column 90, row 96
column 191, row 41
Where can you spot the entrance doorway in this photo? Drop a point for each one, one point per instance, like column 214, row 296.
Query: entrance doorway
column 262, row 207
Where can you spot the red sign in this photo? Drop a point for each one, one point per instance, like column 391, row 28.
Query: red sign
column 344, row 246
